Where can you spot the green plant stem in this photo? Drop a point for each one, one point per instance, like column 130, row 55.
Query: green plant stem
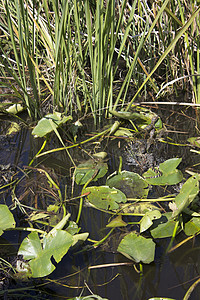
column 103, row 239
column 81, row 199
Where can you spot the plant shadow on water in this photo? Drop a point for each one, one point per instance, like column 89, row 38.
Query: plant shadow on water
column 170, row 275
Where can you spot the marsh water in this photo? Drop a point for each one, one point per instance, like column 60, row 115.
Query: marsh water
column 170, row 275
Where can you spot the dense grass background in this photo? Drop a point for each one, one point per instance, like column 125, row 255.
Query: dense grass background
column 93, row 56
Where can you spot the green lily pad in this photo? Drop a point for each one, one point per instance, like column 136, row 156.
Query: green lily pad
column 44, row 126
column 137, row 248
column 104, row 197
column 147, row 220
column 192, row 227
column 39, row 253
column 6, row 218
column 165, row 174
column 89, row 169
column 187, row 194
column 131, row 184
column 164, row 227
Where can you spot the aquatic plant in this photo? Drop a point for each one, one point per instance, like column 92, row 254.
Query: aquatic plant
column 80, row 56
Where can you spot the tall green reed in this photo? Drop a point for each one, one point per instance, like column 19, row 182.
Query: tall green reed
column 74, row 49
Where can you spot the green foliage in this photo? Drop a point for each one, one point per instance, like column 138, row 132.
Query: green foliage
column 137, row 248
column 6, row 218
column 90, row 170
column 104, row 197
column 165, row 174
column 39, row 254
column 52, row 46
column 132, row 184
column 45, row 125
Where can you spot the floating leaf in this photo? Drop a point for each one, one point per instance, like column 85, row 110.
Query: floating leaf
column 146, row 221
column 104, row 197
column 192, row 227
column 164, row 227
column 131, row 184
column 39, row 254
column 137, row 248
column 89, row 169
column 165, row 174
column 44, row 125
column 117, row 222
column 6, row 218
column 187, row 194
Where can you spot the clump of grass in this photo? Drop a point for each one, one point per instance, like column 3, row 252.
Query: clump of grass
column 74, row 51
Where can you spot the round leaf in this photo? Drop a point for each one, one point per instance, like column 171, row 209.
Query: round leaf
column 39, row 255
column 131, row 184
column 137, row 248
column 104, row 197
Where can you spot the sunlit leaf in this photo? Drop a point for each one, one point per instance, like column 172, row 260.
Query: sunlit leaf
column 90, row 169
column 15, row 108
column 187, row 194
column 117, row 222
column 40, row 253
column 192, row 227
column 165, row 174
column 6, row 218
column 164, row 227
column 104, row 197
column 123, row 132
column 147, row 220
column 131, row 184
column 44, row 125
column 137, row 248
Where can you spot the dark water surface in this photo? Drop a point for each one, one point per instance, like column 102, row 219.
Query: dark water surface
column 169, row 276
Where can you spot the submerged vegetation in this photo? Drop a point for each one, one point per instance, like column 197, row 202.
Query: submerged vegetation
column 62, row 61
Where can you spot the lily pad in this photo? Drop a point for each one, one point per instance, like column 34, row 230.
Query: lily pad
column 131, row 184
column 165, row 174
column 137, row 248
column 104, row 197
column 164, row 227
column 90, row 169
column 40, row 253
column 187, row 194
column 147, row 220
column 192, row 227
column 6, row 218
column 44, row 126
